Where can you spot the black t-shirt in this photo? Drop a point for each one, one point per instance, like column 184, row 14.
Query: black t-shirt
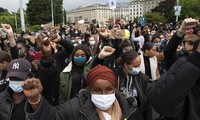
column 147, row 67
column 18, row 111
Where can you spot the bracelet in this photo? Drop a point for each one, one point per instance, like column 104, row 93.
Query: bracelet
column 35, row 103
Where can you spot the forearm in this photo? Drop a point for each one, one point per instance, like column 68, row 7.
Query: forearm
column 12, row 41
column 97, row 60
column 66, row 44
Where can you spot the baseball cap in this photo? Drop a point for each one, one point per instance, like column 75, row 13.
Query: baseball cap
column 19, row 68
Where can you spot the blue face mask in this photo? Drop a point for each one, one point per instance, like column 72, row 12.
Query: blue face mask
column 16, row 86
column 79, row 60
column 135, row 71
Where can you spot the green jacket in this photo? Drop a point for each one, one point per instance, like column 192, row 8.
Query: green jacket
column 66, row 80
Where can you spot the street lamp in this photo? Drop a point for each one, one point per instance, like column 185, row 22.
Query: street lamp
column 52, row 17
column 22, row 16
column 16, row 22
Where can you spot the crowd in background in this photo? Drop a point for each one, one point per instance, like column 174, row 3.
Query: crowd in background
column 144, row 61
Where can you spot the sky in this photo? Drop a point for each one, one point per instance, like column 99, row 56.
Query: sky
column 13, row 5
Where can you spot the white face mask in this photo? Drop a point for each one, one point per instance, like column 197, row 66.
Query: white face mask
column 135, row 71
column 103, row 102
column 92, row 42
column 16, row 86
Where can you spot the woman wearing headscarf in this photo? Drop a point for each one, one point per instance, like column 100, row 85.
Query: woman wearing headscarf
column 99, row 102
column 129, row 79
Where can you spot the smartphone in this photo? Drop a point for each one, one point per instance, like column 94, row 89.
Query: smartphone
column 38, row 55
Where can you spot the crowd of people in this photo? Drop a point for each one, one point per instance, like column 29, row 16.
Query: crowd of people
column 102, row 72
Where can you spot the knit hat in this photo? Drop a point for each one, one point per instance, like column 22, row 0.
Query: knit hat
column 19, row 68
column 100, row 72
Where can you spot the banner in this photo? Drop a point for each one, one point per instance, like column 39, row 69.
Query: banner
column 177, row 10
column 112, row 4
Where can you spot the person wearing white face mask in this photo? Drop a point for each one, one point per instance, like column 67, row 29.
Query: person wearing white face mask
column 101, row 101
column 130, row 80
column 93, row 47
column 13, row 99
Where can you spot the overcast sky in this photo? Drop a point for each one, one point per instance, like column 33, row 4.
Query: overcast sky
column 13, row 5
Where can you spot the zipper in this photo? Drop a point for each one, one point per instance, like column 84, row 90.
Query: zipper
column 11, row 109
column 126, row 118
column 84, row 114
column 140, row 92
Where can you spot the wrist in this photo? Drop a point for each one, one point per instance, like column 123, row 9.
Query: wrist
column 180, row 32
column 34, row 100
column 100, row 56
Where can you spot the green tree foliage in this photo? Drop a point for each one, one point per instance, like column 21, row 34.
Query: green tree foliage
column 3, row 11
column 9, row 18
column 190, row 8
column 39, row 11
column 154, row 17
column 166, row 9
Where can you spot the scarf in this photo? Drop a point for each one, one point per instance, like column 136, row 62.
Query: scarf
column 116, row 112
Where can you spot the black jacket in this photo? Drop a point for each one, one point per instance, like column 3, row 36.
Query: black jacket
column 6, row 104
column 170, row 52
column 3, row 81
column 48, row 77
column 176, row 95
column 81, row 108
column 140, row 81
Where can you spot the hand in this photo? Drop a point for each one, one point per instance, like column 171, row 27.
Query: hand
column 8, row 29
column 103, row 32
column 55, row 38
column 32, row 88
column 44, row 44
column 187, row 24
column 106, row 51
column 35, row 64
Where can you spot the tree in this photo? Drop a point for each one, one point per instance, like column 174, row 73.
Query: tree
column 165, row 8
column 189, row 8
column 39, row 11
column 65, row 17
column 154, row 17
column 8, row 18
column 3, row 11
